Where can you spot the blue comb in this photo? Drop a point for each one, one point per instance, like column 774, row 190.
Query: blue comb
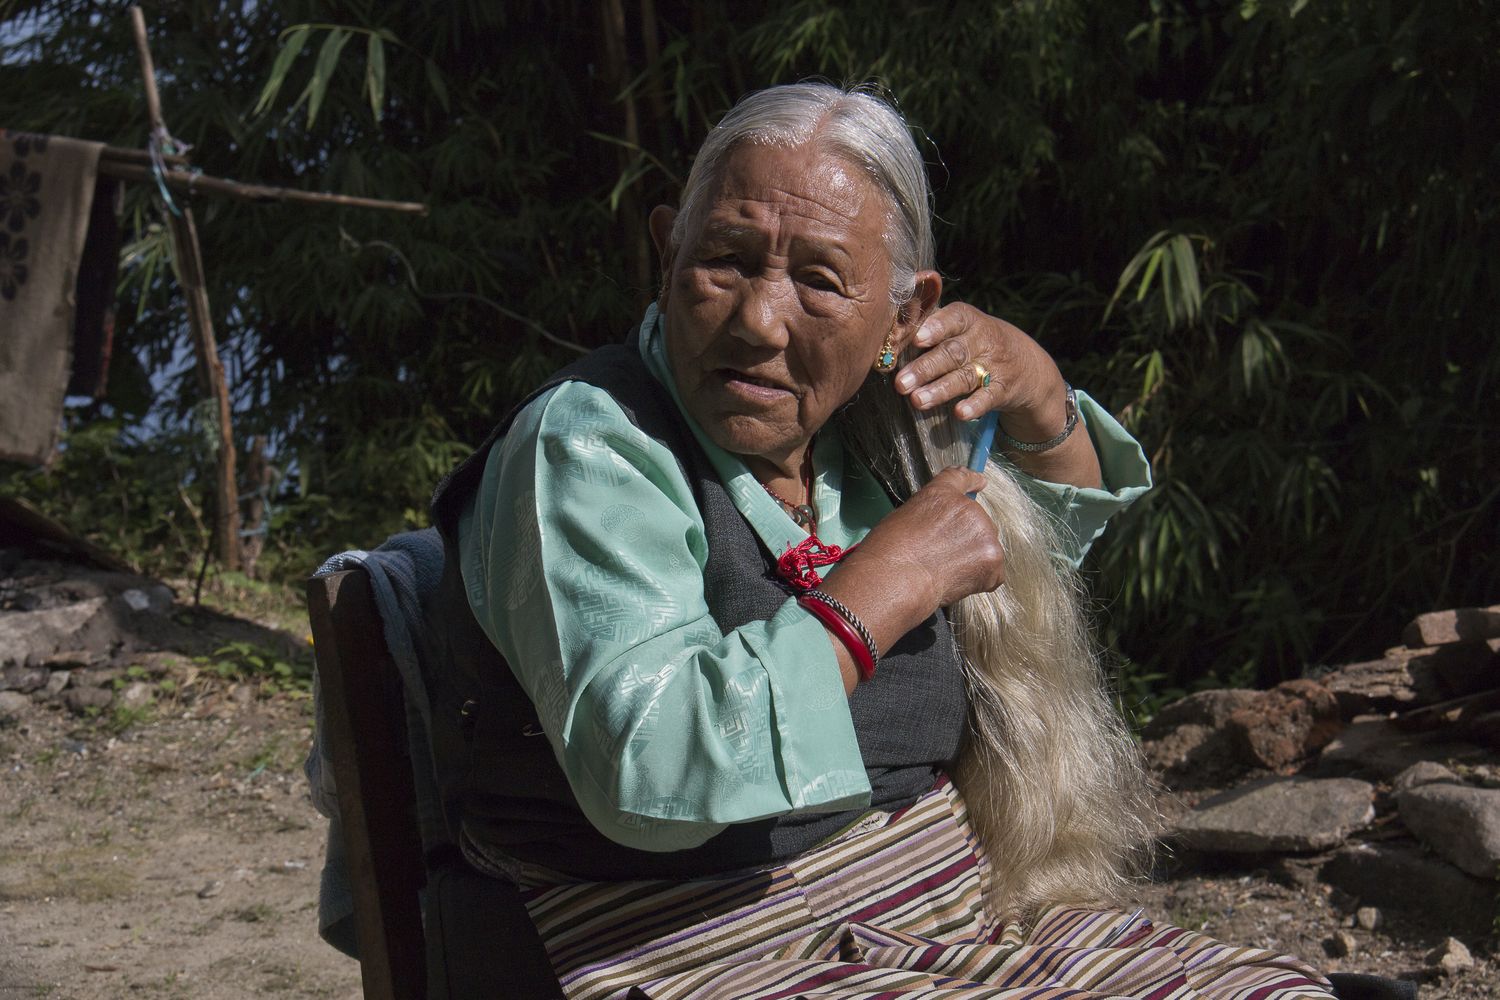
column 984, row 438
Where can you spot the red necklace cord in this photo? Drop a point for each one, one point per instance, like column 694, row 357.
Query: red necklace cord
column 797, row 565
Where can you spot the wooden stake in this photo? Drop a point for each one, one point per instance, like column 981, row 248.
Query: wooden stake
column 189, row 262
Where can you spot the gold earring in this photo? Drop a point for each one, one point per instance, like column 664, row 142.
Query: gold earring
column 886, row 362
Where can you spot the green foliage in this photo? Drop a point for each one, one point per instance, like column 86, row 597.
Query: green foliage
column 139, row 497
column 245, row 661
column 1263, row 233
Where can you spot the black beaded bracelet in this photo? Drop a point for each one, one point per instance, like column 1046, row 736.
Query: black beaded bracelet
column 866, row 667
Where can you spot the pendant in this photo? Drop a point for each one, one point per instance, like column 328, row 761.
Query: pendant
column 804, row 515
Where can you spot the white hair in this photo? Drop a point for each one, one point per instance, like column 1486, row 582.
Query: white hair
column 855, row 126
column 1053, row 779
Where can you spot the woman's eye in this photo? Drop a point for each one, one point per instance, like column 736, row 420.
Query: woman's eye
column 820, row 281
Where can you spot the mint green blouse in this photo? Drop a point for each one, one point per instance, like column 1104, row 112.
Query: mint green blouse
column 583, row 556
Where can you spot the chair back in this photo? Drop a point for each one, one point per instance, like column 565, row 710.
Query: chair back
column 365, row 730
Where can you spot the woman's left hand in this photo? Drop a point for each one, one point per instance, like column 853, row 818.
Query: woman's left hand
column 960, row 345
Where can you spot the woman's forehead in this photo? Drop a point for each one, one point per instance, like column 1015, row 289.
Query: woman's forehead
column 761, row 186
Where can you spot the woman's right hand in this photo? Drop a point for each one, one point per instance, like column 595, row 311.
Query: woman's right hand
column 937, row 548
column 941, row 543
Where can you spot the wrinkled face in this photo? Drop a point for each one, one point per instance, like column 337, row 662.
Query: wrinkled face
column 777, row 302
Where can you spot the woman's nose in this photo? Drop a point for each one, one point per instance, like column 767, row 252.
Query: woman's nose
column 763, row 313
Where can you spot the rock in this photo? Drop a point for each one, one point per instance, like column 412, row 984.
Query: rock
column 1465, row 667
column 1483, row 729
column 80, row 700
column 66, row 659
column 98, row 676
column 31, row 636
column 137, row 694
column 1367, row 918
column 22, row 679
column 1424, row 772
column 1438, row 627
column 1206, row 708
column 13, row 704
column 1371, row 746
column 155, row 598
column 1404, row 680
column 1341, row 945
column 1280, row 815
column 1186, row 741
column 211, row 889
column 1451, row 956
column 57, row 682
column 1461, row 824
column 1286, row 725
column 1402, row 878
column 1212, row 737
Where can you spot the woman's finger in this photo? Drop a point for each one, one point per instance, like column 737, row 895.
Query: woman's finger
column 949, row 321
column 950, row 355
column 966, row 381
column 959, row 479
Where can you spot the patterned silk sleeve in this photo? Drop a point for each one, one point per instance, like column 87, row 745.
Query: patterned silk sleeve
column 583, row 556
column 1082, row 514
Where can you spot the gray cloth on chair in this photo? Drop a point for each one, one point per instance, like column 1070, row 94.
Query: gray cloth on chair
column 401, row 571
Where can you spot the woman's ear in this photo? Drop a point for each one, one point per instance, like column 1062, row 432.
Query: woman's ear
column 923, row 303
column 660, row 223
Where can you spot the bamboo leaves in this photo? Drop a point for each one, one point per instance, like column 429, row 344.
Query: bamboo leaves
column 328, row 60
column 315, row 92
column 375, row 73
column 291, row 48
column 1170, row 258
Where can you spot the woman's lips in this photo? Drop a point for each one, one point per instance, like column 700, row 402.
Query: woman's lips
column 752, row 387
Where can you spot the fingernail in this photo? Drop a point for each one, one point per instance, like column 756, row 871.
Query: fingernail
column 921, row 398
column 904, row 382
column 921, row 338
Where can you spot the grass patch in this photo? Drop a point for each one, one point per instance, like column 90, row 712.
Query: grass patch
column 257, row 913
column 88, row 876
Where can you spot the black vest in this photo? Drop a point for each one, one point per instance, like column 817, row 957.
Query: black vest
column 500, row 782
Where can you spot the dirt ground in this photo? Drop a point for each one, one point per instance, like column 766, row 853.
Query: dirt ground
column 174, row 852
column 176, row 858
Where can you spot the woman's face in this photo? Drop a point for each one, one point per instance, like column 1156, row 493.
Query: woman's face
column 777, row 302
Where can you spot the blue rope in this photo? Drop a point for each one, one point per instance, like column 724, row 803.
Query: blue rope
column 160, row 140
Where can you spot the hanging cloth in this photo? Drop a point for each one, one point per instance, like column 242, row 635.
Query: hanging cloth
column 48, row 189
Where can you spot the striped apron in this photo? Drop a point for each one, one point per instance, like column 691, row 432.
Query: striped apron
column 889, row 909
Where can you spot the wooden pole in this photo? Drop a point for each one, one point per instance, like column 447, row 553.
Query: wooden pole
column 260, row 477
column 122, row 154
column 184, row 181
column 632, row 212
column 188, row 258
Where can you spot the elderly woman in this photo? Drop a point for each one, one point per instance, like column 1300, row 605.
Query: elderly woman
column 761, row 692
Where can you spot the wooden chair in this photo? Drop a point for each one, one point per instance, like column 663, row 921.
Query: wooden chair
column 426, row 927
column 366, row 732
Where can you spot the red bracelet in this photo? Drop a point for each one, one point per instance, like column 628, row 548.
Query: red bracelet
column 845, row 627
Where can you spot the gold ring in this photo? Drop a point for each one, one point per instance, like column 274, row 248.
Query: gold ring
column 982, row 374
